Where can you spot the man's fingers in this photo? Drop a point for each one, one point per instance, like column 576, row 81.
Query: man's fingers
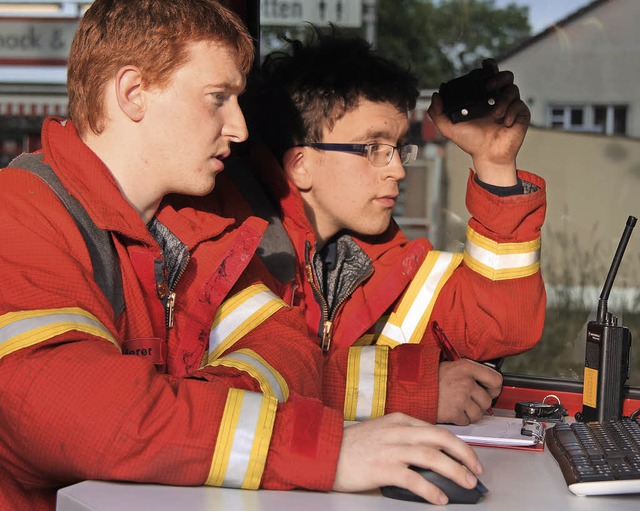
column 509, row 95
column 487, row 377
column 517, row 112
column 442, row 464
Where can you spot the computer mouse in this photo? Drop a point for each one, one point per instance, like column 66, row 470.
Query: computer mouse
column 456, row 493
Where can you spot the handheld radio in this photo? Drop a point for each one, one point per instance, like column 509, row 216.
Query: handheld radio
column 606, row 364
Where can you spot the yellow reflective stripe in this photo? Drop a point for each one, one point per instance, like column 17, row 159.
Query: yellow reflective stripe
column 371, row 338
column 501, row 261
column 271, row 381
column 27, row 328
column 243, row 440
column 365, row 340
column 409, row 322
column 240, row 314
column 390, row 333
column 366, row 389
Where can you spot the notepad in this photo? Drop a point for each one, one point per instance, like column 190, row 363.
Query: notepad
column 499, row 432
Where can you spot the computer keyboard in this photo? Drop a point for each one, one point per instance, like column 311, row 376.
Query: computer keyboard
column 597, row 458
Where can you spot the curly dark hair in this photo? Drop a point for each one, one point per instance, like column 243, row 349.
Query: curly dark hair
column 310, row 85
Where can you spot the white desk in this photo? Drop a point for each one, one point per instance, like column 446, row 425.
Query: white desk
column 517, row 480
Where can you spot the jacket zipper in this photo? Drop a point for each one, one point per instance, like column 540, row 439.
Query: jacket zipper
column 171, row 299
column 327, row 324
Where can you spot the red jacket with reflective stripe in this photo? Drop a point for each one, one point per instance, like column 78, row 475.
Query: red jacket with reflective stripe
column 483, row 317
column 72, row 407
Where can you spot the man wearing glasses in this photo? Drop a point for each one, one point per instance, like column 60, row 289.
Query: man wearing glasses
column 331, row 121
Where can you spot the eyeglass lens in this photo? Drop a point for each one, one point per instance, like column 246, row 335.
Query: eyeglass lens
column 382, row 154
column 408, row 153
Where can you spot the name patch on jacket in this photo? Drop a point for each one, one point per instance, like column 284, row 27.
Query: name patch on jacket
column 152, row 348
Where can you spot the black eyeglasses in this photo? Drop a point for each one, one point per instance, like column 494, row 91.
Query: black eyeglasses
column 379, row 155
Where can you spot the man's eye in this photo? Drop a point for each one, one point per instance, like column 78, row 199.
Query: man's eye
column 219, row 97
column 381, row 148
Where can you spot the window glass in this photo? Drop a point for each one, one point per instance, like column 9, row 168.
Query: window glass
column 571, row 60
column 577, row 118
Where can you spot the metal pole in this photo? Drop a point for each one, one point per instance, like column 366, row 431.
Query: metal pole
column 370, row 20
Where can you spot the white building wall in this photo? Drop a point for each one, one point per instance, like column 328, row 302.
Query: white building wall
column 593, row 59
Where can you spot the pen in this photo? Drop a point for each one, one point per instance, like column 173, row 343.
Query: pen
column 448, row 350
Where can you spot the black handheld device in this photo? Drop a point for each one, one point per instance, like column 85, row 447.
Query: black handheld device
column 607, row 350
column 466, row 97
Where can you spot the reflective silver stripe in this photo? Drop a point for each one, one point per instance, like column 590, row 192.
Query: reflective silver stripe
column 394, row 333
column 239, row 315
column 501, row 261
column 366, row 383
column 409, row 321
column 271, row 382
column 27, row 328
column 243, row 440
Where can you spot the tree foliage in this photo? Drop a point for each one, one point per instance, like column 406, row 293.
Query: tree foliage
column 438, row 39
column 442, row 39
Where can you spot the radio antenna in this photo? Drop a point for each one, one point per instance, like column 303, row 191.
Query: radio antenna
column 617, row 258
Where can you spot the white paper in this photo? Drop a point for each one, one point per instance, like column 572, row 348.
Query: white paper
column 493, row 430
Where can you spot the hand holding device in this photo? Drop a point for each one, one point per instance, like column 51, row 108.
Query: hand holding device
column 468, row 97
column 494, row 138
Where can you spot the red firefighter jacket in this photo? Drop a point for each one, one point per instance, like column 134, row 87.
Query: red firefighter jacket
column 73, row 407
column 490, row 300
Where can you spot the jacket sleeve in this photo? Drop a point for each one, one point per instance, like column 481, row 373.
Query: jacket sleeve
column 490, row 301
column 370, row 381
column 77, row 409
column 494, row 303
column 72, row 407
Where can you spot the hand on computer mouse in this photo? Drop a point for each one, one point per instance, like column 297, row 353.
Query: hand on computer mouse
column 454, row 492
column 379, row 452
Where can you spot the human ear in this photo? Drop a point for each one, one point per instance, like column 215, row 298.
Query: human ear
column 129, row 95
column 296, row 163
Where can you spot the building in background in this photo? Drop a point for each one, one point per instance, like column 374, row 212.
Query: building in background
column 581, row 74
column 35, row 38
column 580, row 79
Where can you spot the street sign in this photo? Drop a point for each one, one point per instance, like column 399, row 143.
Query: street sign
column 345, row 13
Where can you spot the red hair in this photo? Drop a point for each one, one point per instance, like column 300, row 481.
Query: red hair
column 152, row 35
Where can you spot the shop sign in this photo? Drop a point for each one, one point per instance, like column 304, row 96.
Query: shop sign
column 346, row 13
column 36, row 41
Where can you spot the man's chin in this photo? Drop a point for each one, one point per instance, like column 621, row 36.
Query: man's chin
column 371, row 231
column 201, row 190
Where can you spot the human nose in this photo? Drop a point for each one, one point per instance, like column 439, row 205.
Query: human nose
column 395, row 169
column 235, row 125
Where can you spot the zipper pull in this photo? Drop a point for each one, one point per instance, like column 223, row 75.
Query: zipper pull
column 326, row 336
column 309, row 273
column 171, row 300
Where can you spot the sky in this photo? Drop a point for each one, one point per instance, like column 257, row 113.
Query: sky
column 543, row 13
